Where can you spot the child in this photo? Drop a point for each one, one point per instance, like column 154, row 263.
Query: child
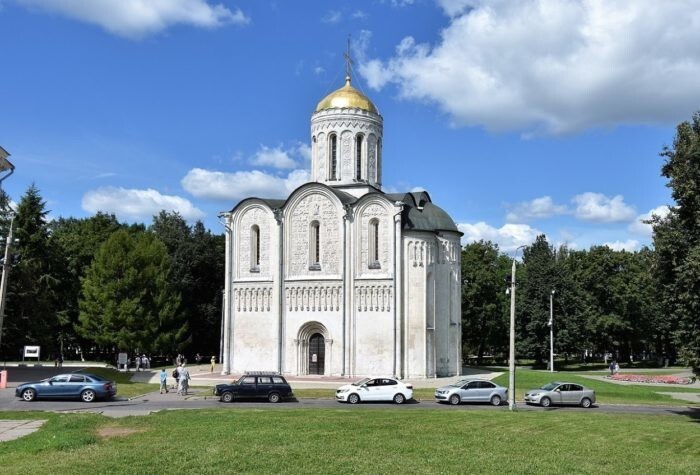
column 163, row 381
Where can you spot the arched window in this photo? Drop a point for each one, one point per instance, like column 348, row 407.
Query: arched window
column 333, row 169
column 255, row 248
column 373, row 241
column 314, row 246
column 358, row 157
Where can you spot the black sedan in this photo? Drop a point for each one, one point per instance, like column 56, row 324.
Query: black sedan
column 86, row 387
column 258, row 385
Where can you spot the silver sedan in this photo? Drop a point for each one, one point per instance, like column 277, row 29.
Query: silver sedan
column 471, row 390
column 561, row 393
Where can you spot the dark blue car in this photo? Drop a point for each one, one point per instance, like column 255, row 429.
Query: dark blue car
column 87, row 387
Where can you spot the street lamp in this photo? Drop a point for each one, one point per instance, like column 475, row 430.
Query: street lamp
column 7, row 263
column 511, row 357
column 5, row 164
column 551, row 332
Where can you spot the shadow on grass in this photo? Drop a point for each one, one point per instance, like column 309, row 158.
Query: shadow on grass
column 693, row 413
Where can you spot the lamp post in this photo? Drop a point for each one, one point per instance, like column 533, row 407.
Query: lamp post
column 5, row 275
column 551, row 331
column 511, row 358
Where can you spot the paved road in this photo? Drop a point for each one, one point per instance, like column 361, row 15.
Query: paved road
column 154, row 402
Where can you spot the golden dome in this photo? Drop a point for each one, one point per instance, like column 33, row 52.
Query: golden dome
column 346, row 97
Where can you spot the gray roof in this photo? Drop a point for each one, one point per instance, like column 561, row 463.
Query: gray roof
column 419, row 212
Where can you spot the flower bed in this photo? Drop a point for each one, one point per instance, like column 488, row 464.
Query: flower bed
column 650, row 378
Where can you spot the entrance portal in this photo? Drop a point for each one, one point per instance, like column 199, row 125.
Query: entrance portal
column 317, row 354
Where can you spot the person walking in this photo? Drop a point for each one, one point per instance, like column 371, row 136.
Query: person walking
column 163, row 381
column 176, row 375
column 213, row 362
column 183, row 383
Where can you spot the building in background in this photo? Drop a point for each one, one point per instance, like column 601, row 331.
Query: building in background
column 341, row 278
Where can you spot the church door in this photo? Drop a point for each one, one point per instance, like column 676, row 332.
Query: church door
column 317, row 354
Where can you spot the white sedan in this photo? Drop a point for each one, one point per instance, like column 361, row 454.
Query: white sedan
column 375, row 389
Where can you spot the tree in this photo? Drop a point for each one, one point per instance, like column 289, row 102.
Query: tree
column 197, row 274
column 33, row 288
column 484, row 326
column 677, row 242
column 534, row 288
column 76, row 241
column 127, row 300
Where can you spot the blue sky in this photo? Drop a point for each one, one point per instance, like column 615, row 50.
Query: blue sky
column 519, row 118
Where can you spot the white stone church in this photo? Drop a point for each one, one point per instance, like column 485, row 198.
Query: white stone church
column 342, row 279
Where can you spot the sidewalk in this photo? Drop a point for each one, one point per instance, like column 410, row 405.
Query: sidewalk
column 201, row 376
column 16, row 428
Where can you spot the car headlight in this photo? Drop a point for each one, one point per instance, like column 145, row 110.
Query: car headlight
column 343, row 390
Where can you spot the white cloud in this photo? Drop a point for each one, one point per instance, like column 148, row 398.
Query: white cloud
column 139, row 18
column 508, row 237
column 638, row 226
column 599, row 208
column 359, row 14
column 134, row 204
column 319, row 70
column 628, row 245
column 332, row 17
column 242, row 184
column 543, row 207
column 455, row 7
column 553, row 66
column 304, row 151
column 273, row 157
column 417, row 189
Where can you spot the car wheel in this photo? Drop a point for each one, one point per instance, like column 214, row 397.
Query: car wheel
column 585, row 402
column 545, row 402
column 273, row 397
column 399, row 398
column 227, row 397
column 88, row 395
column 28, row 394
column 353, row 399
column 496, row 400
column 454, row 399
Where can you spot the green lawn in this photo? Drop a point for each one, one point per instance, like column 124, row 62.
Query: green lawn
column 356, row 440
column 606, row 392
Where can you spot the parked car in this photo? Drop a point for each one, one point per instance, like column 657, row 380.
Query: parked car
column 471, row 390
column 375, row 389
column 255, row 385
column 561, row 393
column 87, row 387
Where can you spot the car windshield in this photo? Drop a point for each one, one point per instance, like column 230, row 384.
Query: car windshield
column 96, row 377
column 361, row 382
column 549, row 386
column 459, row 384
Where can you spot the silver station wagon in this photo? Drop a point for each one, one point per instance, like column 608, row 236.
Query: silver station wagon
column 561, row 393
column 471, row 390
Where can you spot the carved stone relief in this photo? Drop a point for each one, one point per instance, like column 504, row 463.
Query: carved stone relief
column 373, row 298
column 321, row 154
column 260, row 217
column 346, row 154
column 375, row 211
column 313, row 297
column 314, row 207
column 252, row 298
column 372, row 158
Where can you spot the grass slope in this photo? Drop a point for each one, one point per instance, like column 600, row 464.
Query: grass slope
column 357, row 440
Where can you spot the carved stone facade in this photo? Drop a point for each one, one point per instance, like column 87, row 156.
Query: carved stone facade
column 321, row 209
column 341, row 278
